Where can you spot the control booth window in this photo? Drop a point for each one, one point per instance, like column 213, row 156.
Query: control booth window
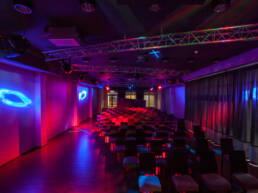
column 130, row 95
column 149, row 97
column 112, row 99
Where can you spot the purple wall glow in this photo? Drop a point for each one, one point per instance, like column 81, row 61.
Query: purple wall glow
column 179, row 105
column 174, row 100
column 249, row 57
column 59, row 105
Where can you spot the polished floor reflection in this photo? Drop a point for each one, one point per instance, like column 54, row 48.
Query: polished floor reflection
column 71, row 163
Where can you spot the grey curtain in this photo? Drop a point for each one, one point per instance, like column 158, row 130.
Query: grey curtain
column 226, row 104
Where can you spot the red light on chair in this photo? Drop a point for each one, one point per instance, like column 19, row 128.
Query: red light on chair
column 106, row 139
column 159, row 87
column 101, row 134
column 112, row 146
column 157, row 170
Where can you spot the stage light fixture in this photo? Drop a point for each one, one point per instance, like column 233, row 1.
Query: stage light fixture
column 81, row 78
column 23, row 6
column 151, row 89
column 66, row 66
column 220, row 6
column 88, row 6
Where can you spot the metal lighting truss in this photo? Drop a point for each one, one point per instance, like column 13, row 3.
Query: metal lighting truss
column 208, row 36
column 124, row 69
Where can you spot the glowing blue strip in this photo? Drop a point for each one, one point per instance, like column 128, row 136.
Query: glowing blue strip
column 83, row 95
column 25, row 101
column 254, row 93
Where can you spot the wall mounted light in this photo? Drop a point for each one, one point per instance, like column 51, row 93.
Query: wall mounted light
column 7, row 96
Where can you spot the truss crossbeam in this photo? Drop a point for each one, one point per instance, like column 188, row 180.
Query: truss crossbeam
column 129, row 70
column 209, row 36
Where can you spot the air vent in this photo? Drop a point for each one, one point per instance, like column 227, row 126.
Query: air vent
column 63, row 36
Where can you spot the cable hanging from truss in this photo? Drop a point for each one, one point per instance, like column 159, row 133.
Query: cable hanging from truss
column 199, row 37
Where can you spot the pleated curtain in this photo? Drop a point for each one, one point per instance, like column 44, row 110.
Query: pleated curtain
column 225, row 104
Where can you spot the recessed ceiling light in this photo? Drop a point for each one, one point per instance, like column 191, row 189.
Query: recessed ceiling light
column 220, row 6
column 23, row 6
column 154, row 7
column 66, row 67
column 88, row 6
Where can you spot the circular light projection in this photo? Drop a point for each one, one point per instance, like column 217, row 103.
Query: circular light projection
column 83, row 95
column 6, row 96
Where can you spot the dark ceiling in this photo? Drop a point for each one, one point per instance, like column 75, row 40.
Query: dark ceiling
column 119, row 19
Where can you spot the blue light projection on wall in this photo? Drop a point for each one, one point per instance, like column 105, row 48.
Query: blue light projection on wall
column 254, row 93
column 155, row 53
column 246, row 94
column 83, row 93
column 14, row 98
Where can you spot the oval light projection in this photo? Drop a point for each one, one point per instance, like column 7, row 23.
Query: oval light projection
column 83, row 95
column 7, row 95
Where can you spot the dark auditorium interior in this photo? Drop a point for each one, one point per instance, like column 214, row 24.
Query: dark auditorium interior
column 128, row 96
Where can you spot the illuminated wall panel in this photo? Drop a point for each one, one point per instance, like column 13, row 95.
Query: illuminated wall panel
column 59, row 105
column 36, row 106
column 83, row 105
column 17, row 125
column 179, row 106
column 174, row 100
